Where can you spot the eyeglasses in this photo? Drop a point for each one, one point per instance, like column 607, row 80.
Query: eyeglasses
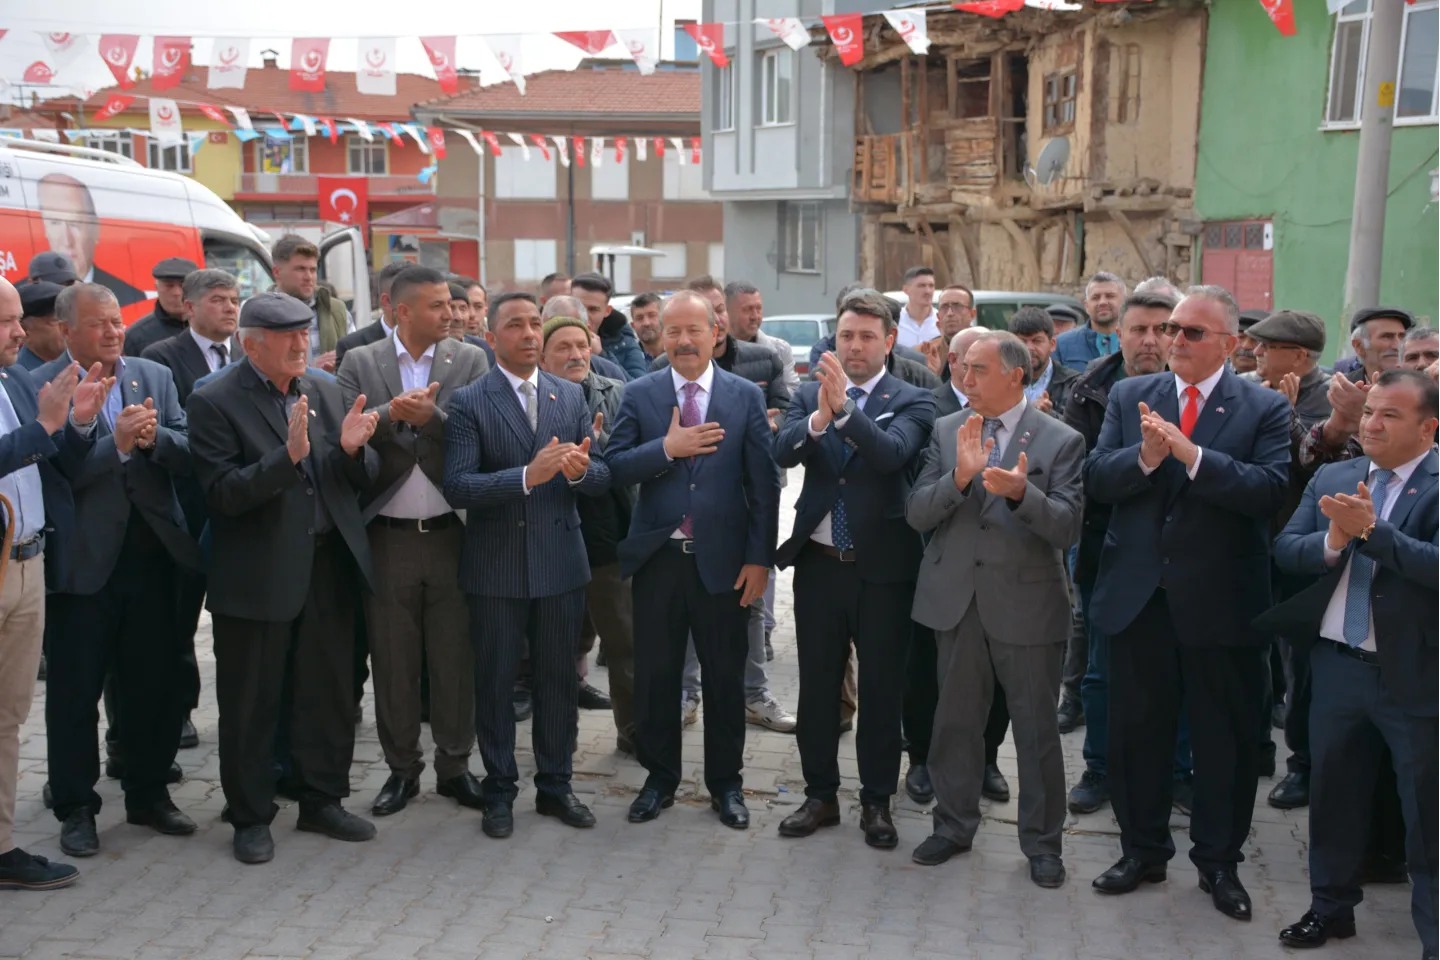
column 952, row 306
column 1193, row 334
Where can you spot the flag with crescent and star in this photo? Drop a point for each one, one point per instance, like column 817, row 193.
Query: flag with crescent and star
column 344, row 200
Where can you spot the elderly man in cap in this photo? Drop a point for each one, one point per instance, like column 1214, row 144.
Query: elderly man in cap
column 1242, row 361
column 168, row 317
column 53, row 267
column 1376, row 335
column 44, row 339
column 283, row 463
column 1421, row 350
column 1287, row 348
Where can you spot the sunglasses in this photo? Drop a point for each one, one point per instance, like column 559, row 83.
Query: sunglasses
column 1193, row 334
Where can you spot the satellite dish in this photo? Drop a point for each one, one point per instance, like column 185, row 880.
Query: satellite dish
column 1050, row 163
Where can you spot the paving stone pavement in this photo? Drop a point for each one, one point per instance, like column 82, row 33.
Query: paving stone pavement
column 681, row 888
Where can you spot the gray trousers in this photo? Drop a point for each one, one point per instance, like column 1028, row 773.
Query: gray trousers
column 968, row 665
column 418, row 604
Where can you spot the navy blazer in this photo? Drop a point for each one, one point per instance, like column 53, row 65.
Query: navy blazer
column 732, row 495
column 1207, row 540
column 518, row 545
column 1403, row 593
column 872, row 455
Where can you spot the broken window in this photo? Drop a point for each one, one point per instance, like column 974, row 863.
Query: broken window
column 971, row 93
column 1059, row 106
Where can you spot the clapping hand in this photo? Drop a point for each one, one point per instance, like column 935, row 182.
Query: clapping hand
column 55, row 397
column 145, row 440
column 832, row 390
column 548, row 461
column 1347, row 401
column 415, row 407
column 1289, row 387
column 297, row 440
column 1154, row 438
column 131, row 422
column 576, row 461
column 972, row 450
column 357, row 428
column 1010, row 484
column 90, row 394
column 1350, row 516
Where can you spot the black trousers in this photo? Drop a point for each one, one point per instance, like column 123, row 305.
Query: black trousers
column 501, row 630
column 315, row 651
column 125, row 629
column 672, row 604
column 1222, row 690
column 189, row 599
column 922, row 690
column 832, row 605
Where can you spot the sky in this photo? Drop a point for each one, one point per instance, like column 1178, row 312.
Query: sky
column 272, row 24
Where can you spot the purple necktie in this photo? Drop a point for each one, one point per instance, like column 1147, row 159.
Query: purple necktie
column 689, row 417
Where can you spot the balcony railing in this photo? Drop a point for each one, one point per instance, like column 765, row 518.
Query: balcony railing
column 306, row 184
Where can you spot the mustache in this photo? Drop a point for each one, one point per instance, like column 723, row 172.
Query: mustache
column 576, row 364
column 687, row 351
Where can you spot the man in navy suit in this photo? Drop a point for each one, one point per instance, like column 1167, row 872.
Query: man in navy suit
column 517, row 453
column 1195, row 462
column 696, row 441
column 857, row 430
column 1366, row 529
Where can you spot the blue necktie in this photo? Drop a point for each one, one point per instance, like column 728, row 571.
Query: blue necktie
column 1362, row 573
column 839, row 523
column 991, row 429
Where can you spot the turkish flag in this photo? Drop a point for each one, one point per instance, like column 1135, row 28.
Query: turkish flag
column 116, row 105
column 307, row 64
column 540, row 142
column 38, row 72
column 493, row 141
column 695, row 147
column 590, row 41
column 436, row 136
column 171, row 55
column 441, row 51
column 331, row 130
column 990, row 8
column 620, row 144
column 1282, row 14
column 118, row 50
column 844, row 30
column 213, row 112
column 710, row 38
column 344, row 200
column 577, row 148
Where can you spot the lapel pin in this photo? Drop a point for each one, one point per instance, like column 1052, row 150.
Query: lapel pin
column 552, row 396
column 1219, row 409
column 449, row 359
column 4, row 375
column 884, row 396
column 134, row 384
column 1411, row 491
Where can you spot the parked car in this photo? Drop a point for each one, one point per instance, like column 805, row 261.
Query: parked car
column 800, row 330
column 993, row 308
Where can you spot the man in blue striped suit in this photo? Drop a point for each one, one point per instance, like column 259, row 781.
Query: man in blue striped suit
column 517, row 453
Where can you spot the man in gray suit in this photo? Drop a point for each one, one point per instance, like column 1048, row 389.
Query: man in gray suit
column 415, row 535
column 1000, row 487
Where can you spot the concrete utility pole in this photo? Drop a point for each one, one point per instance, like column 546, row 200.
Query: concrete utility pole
column 1372, row 162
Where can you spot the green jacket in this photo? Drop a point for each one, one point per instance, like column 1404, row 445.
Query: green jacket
column 331, row 315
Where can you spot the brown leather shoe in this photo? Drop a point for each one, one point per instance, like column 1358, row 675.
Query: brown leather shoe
column 812, row 815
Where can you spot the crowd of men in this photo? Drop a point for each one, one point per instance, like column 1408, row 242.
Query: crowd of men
column 1162, row 520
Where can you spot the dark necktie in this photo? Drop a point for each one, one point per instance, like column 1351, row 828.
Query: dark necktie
column 839, row 521
column 991, row 431
column 222, row 355
column 1362, row 572
column 689, row 417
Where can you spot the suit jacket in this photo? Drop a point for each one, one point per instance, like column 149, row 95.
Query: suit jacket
column 732, row 495
column 946, row 402
column 152, row 328
column 105, row 489
column 750, row 361
column 28, row 360
column 262, row 506
column 1404, row 589
column 871, row 456
column 374, row 370
column 1207, row 540
column 518, row 545
column 370, row 333
column 1007, row 558
column 182, row 356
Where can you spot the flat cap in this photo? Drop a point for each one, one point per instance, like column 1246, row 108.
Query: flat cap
column 1066, row 311
column 556, row 323
column 457, row 292
column 37, row 299
column 1366, row 314
column 1248, row 318
column 1291, row 326
column 52, row 266
column 173, row 268
column 274, row 310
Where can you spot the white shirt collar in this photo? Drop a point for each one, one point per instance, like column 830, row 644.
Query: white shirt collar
column 389, row 330
column 533, row 379
column 205, row 343
column 706, row 378
column 964, row 400
column 1011, row 417
column 869, row 385
column 1206, row 386
column 429, row 354
column 1402, row 473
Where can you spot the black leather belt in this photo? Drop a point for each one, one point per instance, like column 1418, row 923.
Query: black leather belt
column 684, row 546
column 28, row 550
column 844, row 556
column 1355, row 653
column 442, row 522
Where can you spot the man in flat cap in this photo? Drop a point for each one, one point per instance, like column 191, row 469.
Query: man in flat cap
column 1242, row 361
column 1288, row 345
column 44, row 339
column 1065, row 317
column 1376, row 334
column 53, row 267
column 168, row 317
column 283, row 463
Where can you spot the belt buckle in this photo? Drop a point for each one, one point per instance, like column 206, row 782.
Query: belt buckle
column 420, row 524
column 687, row 546
column 845, row 556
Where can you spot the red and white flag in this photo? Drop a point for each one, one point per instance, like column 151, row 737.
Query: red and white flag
column 542, row 143
column 375, row 67
column 332, row 129
column 590, row 41
column 62, row 48
column 436, row 136
column 695, row 150
column 659, row 147
column 910, row 24
column 519, row 140
column 118, row 52
column 493, row 141
column 597, row 151
column 213, row 112
column 389, row 130
column 790, row 30
column 710, row 38
column 441, row 51
column 38, row 72
column 165, row 121
column 307, row 63
column 506, row 47
column 469, row 138
column 229, row 62
column 1282, row 14
column 679, row 146
column 343, row 200
column 562, row 148
column 363, row 129
column 116, row 105
column 846, row 31
column 242, row 118
column 643, row 46
column 620, row 145
column 642, row 149
column 578, row 150
column 170, row 59
column 990, row 8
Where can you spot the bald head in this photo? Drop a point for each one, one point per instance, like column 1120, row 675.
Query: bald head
column 12, row 334
column 959, row 345
column 563, row 306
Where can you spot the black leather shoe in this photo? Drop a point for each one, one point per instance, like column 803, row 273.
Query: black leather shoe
column 1070, row 715
column 1313, row 930
column 648, row 804
column 1127, row 874
column 524, row 706
column 464, row 790
column 1047, row 870
column 994, row 786
column 77, row 835
column 813, row 814
column 1292, row 792
column 879, row 828
column 935, row 850
column 23, row 871
column 498, row 821
column 567, row 809
column 731, row 807
column 592, row 699
column 1226, row 892
column 393, row 797
column 918, row 785
column 189, row 736
column 164, row 818
column 254, row 844
column 335, row 822
column 624, row 744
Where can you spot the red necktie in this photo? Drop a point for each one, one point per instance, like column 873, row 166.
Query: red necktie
column 1191, row 413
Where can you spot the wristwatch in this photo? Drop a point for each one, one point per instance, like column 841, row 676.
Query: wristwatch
column 846, row 408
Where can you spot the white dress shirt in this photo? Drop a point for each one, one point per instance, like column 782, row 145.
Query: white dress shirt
column 702, row 400
column 207, row 349
column 417, row 498
column 910, row 332
column 534, row 381
column 964, row 400
column 21, row 487
column 1206, row 387
column 822, row 529
column 1332, row 625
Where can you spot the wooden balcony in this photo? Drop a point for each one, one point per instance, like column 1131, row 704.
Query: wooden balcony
column 925, row 165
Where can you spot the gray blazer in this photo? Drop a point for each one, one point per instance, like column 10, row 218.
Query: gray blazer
column 374, row 370
column 1009, row 559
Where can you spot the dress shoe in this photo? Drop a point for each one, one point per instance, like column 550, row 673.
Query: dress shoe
column 648, row 804
column 813, row 814
column 624, row 744
column 498, row 821
column 189, row 736
column 394, row 795
column 1226, row 892
column 115, row 770
column 935, row 850
column 566, row 808
column 254, row 844
column 77, row 834
column 524, row 705
column 23, row 871
column 731, row 807
column 164, row 817
column 1047, row 870
column 1292, row 792
column 335, row 822
column 1182, row 795
column 592, row 699
column 879, row 828
column 1090, row 794
column 994, row 786
column 918, row 785
column 1069, row 716
column 1127, row 874
column 464, row 789
column 1313, row 930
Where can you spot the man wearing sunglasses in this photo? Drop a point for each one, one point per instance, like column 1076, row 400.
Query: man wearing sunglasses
column 1195, row 463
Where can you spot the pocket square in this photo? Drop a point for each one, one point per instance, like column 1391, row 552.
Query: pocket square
column 884, row 415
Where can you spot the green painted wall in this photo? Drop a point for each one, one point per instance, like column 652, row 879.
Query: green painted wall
column 1262, row 154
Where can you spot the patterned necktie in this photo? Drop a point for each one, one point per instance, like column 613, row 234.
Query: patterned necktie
column 221, row 355
column 839, row 520
column 1362, row 573
column 1191, row 413
column 991, row 429
column 531, row 410
column 689, row 417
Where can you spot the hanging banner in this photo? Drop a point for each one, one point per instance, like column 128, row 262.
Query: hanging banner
column 990, row 8
column 597, row 151
column 643, row 46
column 790, row 30
column 659, row 148
column 620, row 144
column 519, row 140
column 847, row 33
column 38, row 72
column 470, row 139
column 642, row 147
column 710, row 38
column 506, row 47
column 417, row 135
column 62, row 48
column 375, row 67
column 307, row 64
column 679, row 146
column 242, row 117
column 441, row 51
column 562, row 147
column 542, row 143
column 1282, row 14
column 493, row 141
column 332, row 129
column 165, row 121
column 695, row 150
column 229, row 62
column 589, row 41
column 389, row 130
column 436, row 136
column 169, row 61
column 117, row 104
column 118, row 52
column 213, row 112
column 577, row 150
column 304, row 123
column 363, row 129
column 910, row 24
column 343, row 200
